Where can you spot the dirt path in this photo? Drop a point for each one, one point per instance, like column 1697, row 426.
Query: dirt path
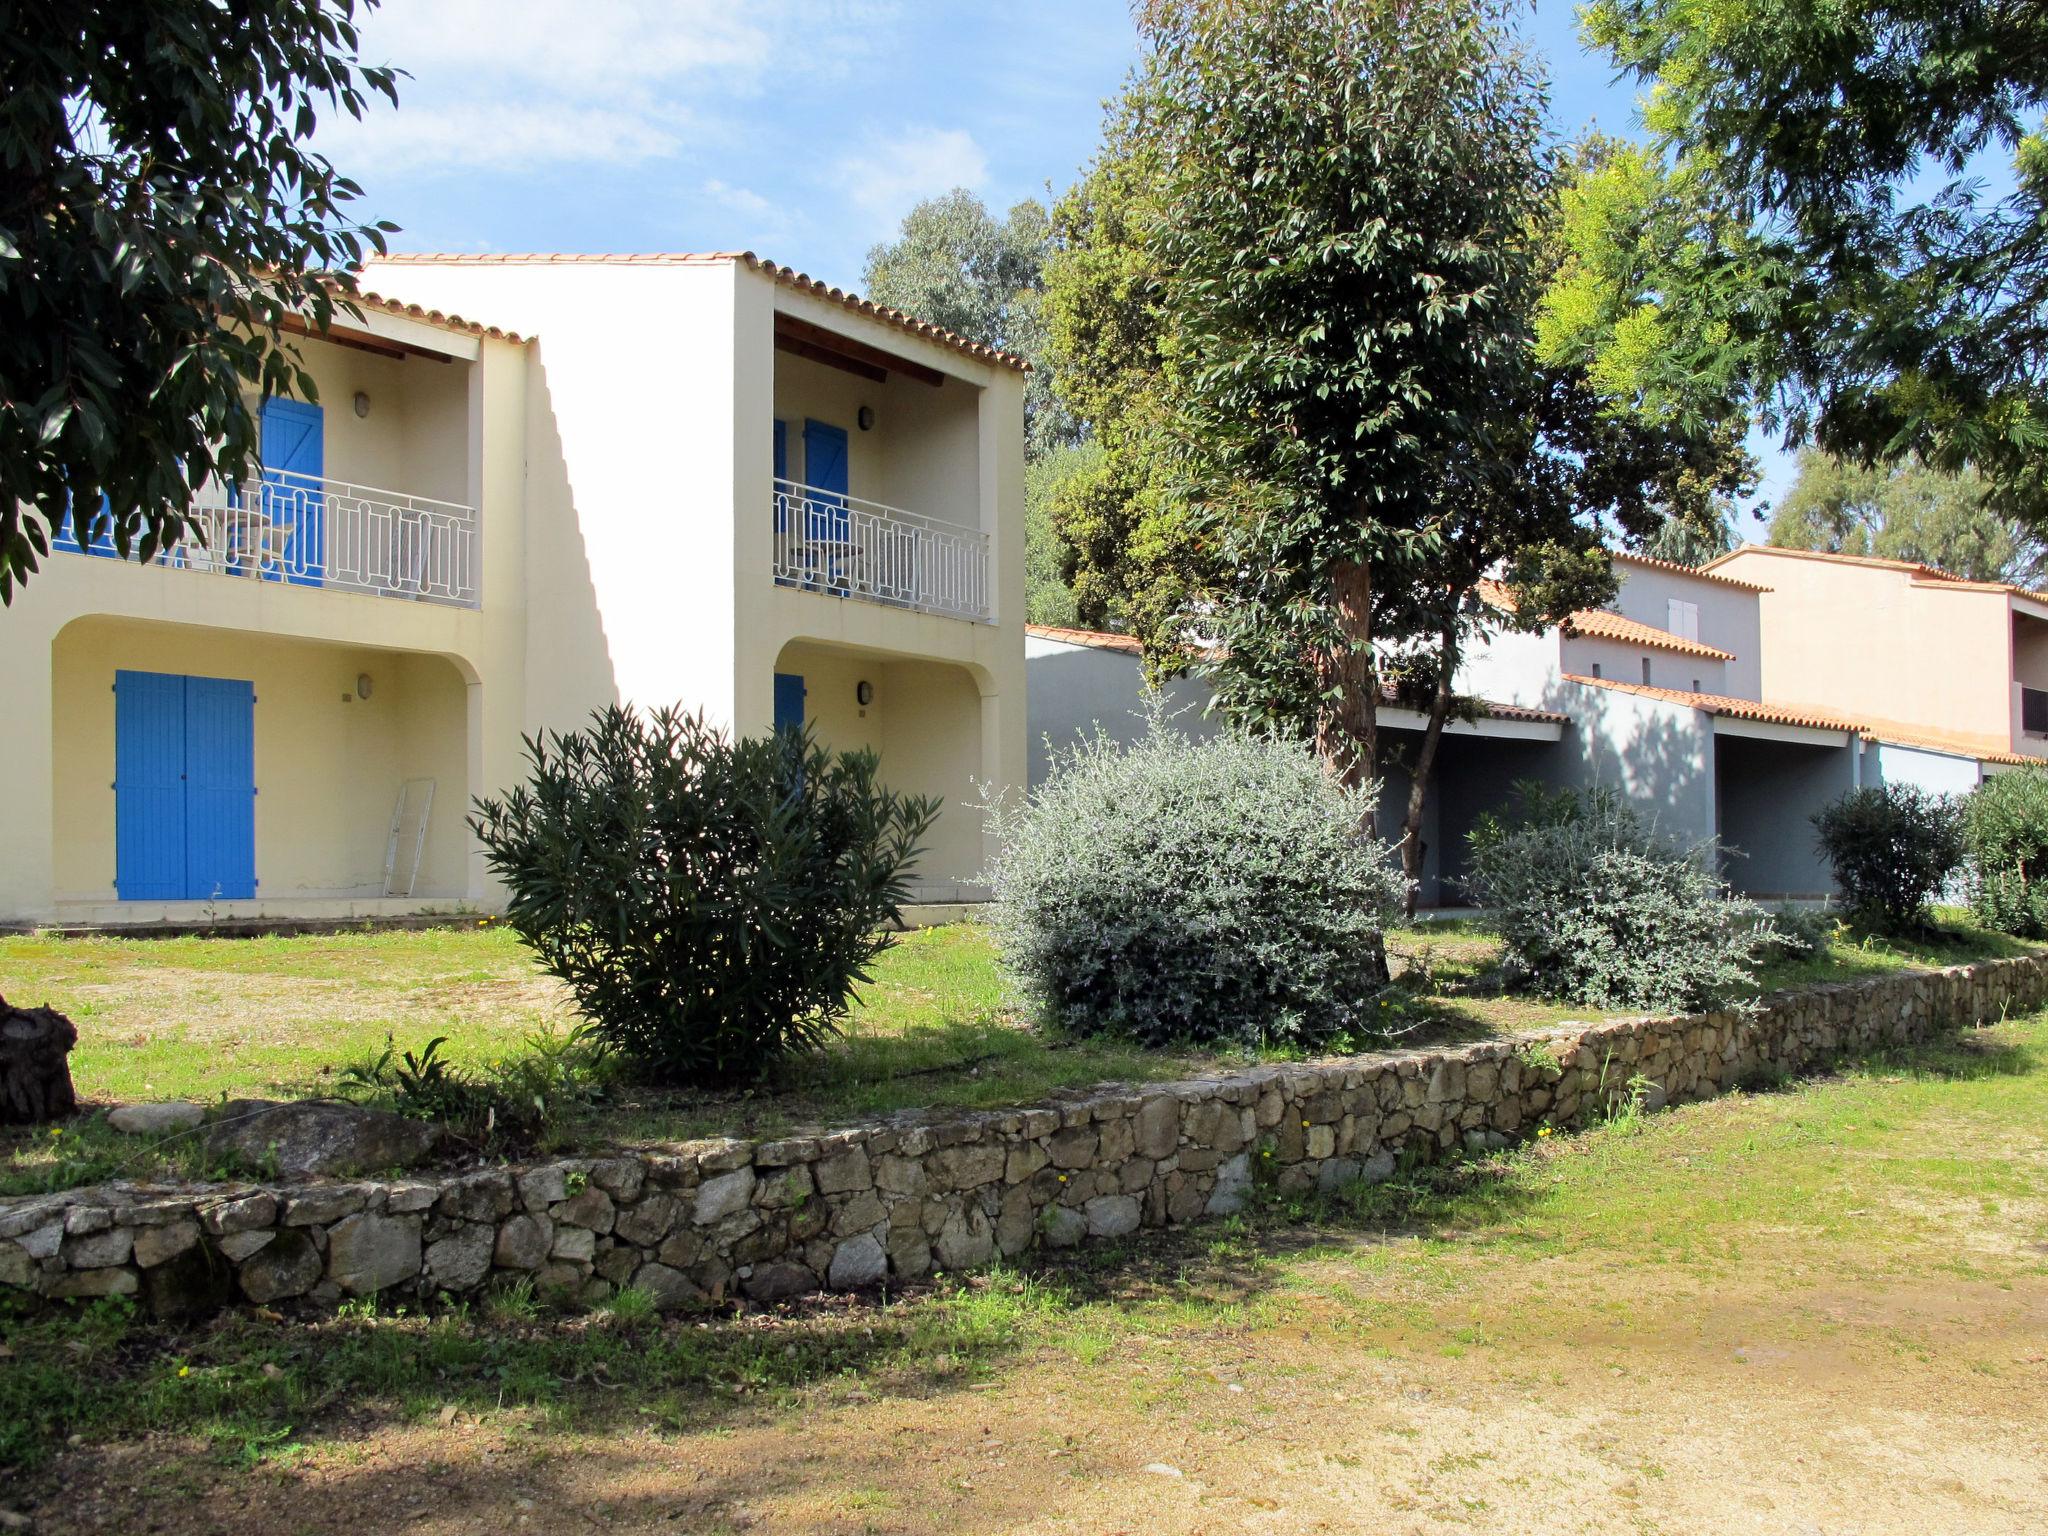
column 1920, row 1409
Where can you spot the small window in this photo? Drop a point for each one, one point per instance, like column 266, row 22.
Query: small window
column 1596, row 669
column 1696, row 688
column 1646, row 669
column 1684, row 619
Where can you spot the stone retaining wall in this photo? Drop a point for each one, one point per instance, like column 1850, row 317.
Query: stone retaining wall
column 898, row 1199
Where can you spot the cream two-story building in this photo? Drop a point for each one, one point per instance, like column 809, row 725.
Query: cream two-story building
column 694, row 479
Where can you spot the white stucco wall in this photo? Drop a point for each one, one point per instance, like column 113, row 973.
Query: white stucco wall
column 1729, row 620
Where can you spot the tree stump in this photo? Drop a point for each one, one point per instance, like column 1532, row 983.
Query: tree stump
column 35, row 1069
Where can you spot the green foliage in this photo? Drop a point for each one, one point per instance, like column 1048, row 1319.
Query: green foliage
column 1295, row 297
column 1594, row 907
column 1892, row 848
column 515, row 1104
column 712, row 903
column 954, row 265
column 160, row 216
column 1906, row 512
column 1174, row 890
column 1047, row 597
column 1811, row 237
column 2005, row 824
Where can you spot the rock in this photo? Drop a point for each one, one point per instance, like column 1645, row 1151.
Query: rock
column 1379, row 1167
column 843, row 1173
column 159, row 1245
column 100, row 1249
column 43, row 1242
column 523, row 1242
column 82, row 1219
column 542, row 1187
column 591, row 1209
column 80, row 1283
column 721, row 1197
column 244, row 1214
column 1158, row 1127
column 322, row 1207
column 1161, row 1469
column 1063, row 1226
column 909, row 1254
column 237, row 1246
column 459, row 1261
column 647, row 1222
column 965, row 1241
column 857, row 1262
column 1112, row 1215
column 367, row 1253
column 480, row 1197
column 576, row 1244
column 155, row 1119
column 965, row 1167
column 1074, row 1147
column 192, row 1283
column 12, row 1521
column 16, row 1267
column 778, row 1282
column 1233, row 1184
column 671, row 1289
column 290, row 1266
column 319, row 1137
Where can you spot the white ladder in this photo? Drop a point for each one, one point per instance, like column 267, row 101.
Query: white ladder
column 408, row 826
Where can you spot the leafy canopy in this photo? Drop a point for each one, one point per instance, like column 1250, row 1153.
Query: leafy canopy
column 160, row 216
column 1839, row 226
column 1906, row 512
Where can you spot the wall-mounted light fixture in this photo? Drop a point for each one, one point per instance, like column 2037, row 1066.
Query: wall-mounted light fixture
column 865, row 418
column 362, row 685
column 362, row 403
column 864, row 693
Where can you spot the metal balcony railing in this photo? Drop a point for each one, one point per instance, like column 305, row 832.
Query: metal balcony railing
column 292, row 528
column 830, row 542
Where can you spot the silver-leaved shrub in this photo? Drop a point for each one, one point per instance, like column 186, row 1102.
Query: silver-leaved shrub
column 1596, row 907
column 1218, row 891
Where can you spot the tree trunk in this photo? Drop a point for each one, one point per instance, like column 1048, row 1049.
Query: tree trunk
column 35, row 1074
column 1425, row 763
column 1347, row 720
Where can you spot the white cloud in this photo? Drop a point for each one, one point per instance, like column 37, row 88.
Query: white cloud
column 739, row 199
column 537, row 84
column 888, row 175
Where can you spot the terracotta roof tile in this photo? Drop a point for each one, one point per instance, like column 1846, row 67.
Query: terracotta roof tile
column 1613, row 626
column 1097, row 639
column 365, row 299
column 1721, row 704
column 789, row 277
column 1701, row 571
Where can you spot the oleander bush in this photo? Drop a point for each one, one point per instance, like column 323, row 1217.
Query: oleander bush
column 711, row 902
column 2005, row 825
column 1893, row 847
column 1596, row 907
column 1219, row 891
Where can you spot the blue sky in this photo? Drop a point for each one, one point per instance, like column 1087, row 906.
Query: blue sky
column 801, row 129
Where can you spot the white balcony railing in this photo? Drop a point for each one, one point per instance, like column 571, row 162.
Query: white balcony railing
column 285, row 527
column 829, row 542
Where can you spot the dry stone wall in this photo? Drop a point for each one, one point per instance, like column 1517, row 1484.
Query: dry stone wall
column 897, row 1200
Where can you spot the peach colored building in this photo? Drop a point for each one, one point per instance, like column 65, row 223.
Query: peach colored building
column 1923, row 658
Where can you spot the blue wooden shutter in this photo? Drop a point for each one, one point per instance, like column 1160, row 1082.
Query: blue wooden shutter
column 66, row 536
column 220, row 788
column 789, row 701
column 294, row 446
column 149, row 786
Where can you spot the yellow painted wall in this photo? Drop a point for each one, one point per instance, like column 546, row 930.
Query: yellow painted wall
column 328, row 764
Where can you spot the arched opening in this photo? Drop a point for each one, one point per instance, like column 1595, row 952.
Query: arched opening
column 926, row 721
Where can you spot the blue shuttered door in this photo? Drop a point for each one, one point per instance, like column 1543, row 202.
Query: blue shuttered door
column 294, row 461
column 66, row 536
column 220, row 788
column 149, row 786
column 184, row 788
column 789, row 701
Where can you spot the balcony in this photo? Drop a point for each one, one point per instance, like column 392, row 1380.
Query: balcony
column 826, row 541
column 310, row 532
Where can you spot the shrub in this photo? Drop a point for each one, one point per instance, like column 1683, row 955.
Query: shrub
column 1892, row 848
column 1597, row 908
column 516, row 1104
column 1216, row 891
column 2005, row 827
column 711, row 903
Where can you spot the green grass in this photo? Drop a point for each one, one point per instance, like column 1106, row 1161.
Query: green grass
column 210, row 1018
column 1913, row 1168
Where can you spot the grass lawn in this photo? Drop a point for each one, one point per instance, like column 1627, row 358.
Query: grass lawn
column 1821, row 1308
column 206, row 1018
